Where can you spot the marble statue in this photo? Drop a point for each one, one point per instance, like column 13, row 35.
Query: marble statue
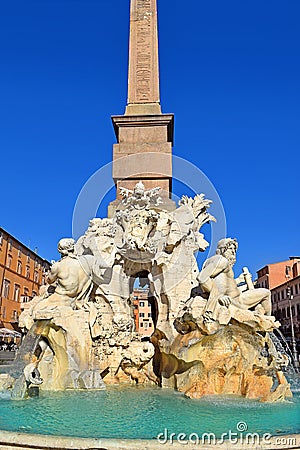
column 139, row 197
column 71, row 278
column 217, row 279
column 211, row 330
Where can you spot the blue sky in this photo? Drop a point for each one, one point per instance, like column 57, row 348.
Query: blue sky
column 230, row 71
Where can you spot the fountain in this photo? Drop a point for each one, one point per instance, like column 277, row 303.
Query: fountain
column 211, row 351
column 213, row 341
column 209, row 339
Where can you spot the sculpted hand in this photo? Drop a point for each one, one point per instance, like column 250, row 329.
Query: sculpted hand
column 224, row 300
column 259, row 311
column 240, row 278
column 207, row 317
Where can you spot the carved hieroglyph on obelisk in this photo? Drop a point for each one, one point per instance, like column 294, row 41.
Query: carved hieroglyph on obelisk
column 144, row 135
column 143, row 72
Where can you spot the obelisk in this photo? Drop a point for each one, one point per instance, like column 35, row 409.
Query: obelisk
column 143, row 71
column 144, row 135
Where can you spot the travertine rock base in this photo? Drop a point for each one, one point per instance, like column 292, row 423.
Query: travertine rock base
column 235, row 360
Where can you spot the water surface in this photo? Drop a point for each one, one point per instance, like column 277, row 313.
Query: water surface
column 142, row 413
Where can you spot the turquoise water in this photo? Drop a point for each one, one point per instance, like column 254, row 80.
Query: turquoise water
column 142, row 413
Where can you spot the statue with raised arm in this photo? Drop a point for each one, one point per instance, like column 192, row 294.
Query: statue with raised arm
column 226, row 299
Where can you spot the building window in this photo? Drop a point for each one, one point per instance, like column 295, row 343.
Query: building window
column 27, row 272
column 9, row 260
column 19, row 267
column 19, row 252
column 1, row 237
column 149, row 314
column 14, row 316
column 150, row 324
column 25, row 297
column 6, row 286
column 142, row 325
column 142, row 314
column 10, row 245
column 36, row 276
column 142, row 303
column 33, row 293
column 17, row 293
column 4, row 312
column 28, row 257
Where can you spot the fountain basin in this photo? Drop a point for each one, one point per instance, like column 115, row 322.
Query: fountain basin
column 124, row 413
column 13, row 441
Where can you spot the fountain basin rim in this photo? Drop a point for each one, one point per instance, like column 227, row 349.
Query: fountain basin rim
column 16, row 440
